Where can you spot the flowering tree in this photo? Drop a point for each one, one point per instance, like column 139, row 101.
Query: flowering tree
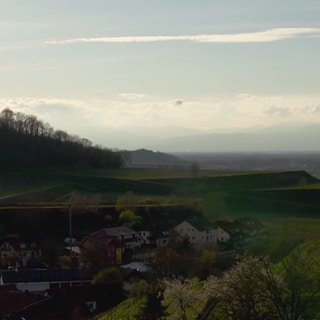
column 183, row 299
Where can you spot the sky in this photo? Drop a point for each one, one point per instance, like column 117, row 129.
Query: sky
column 161, row 68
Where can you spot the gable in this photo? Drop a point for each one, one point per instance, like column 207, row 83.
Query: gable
column 184, row 225
column 196, row 224
column 6, row 246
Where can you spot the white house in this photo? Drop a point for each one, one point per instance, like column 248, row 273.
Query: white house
column 14, row 252
column 223, row 235
column 146, row 236
column 155, row 235
column 200, row 232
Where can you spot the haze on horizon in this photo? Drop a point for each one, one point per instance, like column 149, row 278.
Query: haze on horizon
column 130, row 74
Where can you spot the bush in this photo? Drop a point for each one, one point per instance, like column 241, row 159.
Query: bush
column 107, row 275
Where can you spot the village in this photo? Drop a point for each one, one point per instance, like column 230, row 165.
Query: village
column 28, row 285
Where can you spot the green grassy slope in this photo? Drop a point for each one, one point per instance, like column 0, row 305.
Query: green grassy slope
column 258, row 193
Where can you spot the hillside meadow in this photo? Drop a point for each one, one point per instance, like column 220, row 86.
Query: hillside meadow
column 265, row 194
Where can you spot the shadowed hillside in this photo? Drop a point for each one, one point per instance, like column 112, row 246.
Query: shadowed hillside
column 27, row 141
column 265, row 193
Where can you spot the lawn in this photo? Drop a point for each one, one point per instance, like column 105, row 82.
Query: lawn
column 127, row 310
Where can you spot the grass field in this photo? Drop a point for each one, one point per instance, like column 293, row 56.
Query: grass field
column 259, row 194
column 127, row 310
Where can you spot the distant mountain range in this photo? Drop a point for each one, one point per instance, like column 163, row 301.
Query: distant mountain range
column 170, row 139
column 299, row 140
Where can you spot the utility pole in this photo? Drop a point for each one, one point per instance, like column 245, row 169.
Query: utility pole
column 70, row 233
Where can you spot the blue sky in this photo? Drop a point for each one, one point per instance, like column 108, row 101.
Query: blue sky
column 87, row 67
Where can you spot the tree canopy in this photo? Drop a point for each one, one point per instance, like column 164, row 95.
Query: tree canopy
column 28, row 141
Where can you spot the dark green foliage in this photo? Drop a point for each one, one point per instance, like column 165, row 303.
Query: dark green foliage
column 205, row 264
column 152, row 309
column 151, row 295
column 50, row 252
column 27, row 141
column 107, row 275
column 130, row 219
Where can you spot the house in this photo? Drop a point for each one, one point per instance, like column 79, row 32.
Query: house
column 233, row 228
column 14, row 252
column 155, row 235
column 200, row 232
column 95, row 249
column 223, row 235
column 8, row 254
column 146, row 234
column 225, row 230
column 129, row 239
column 238, row 229
column 161, row 239
column 112, row 243
column 40, row 280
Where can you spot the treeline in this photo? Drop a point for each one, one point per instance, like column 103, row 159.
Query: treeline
column 28, row 141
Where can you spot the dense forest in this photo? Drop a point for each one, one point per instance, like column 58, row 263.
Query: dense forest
column 28, row 141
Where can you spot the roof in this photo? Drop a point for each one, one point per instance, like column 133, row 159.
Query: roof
column 201, row 224
column 74, row 249
column 40, row 275
column 227, row 226
column 12, row 299
column 243, row 225
column 17, row 244
column 108, row 234
column 157, row 230
column 113, row 232
column 138, row 266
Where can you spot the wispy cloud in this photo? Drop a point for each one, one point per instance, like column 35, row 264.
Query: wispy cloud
column 277, row 111
column 132, row 96
column 248, row 37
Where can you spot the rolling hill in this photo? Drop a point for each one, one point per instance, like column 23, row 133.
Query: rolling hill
column 259, row 193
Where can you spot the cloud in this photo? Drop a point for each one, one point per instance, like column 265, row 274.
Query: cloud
column 177, row 102
column 247, row 37
column 132, row 96
column 312, row 109
column 28, row 104
column 277, row 111
column 214, row 113
column 64, row 114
